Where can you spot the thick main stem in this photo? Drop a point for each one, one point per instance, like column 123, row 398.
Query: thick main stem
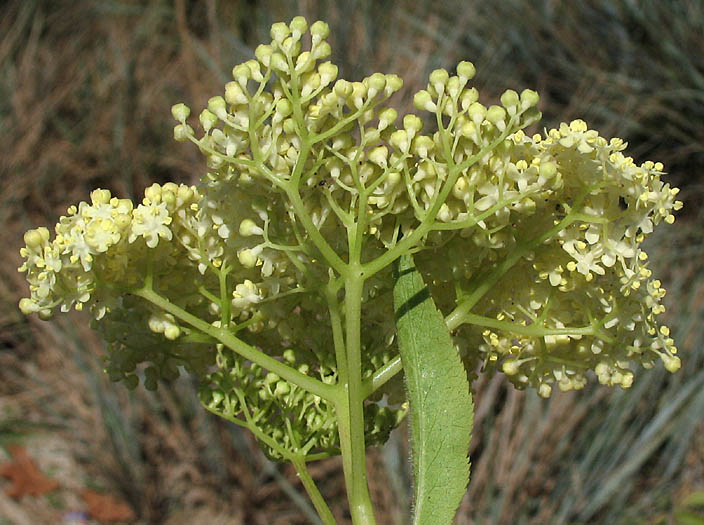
column 350, row 408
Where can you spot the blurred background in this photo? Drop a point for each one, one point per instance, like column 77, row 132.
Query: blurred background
column 85, row 92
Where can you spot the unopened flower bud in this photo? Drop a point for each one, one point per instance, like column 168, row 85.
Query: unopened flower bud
column 234, row 94
column 180, row 112
column 182, row 132
column 263, row 54
column 468, row 97
column 423, row 101
column 375, row 84
column 511, row 367
column 476, row 112
column 279, row 31
column 387, row 117
column 672, row 363
column 319, row 30
column 466, row 71
column 399, row 139
column 529, row 98
column 207, row 119
column 278, row 62
column 328, row 73
column 412, row 124
column 248, row 228
column 393, row 84
column 438, row 79
column 298, row 26
column 321, row 50
column 497, row 116
column 284, row 107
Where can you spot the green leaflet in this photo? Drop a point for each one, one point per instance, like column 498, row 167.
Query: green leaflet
column 441, row 410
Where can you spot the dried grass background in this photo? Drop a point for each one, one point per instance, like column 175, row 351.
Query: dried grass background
column 85, row 92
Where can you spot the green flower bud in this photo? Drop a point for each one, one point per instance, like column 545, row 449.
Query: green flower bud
column 263, row 54
column 422, row 146
column 248, row 228
column 298, row 26
column 343, row 88
column 375, row 84
column 27, row 306
column 465, row 71
column 477, row 113
column 218, row 106
column 509, row 99
column 511, row 367
column 468, row 97
column 279, row 31
column 234, row 94
column 172, row 332
column 36, row 238
column 672, row 363
column 319, row 30
column 497, row 116
column 387, row 117
column 278, row 62
column 271, row 378
column 454, row 87
column 423, row 101
column 529, row 98
column 321, row 50
column 328, row 73
column 438, row 79
column 282, row 388
column 547, row 170
column 207, row 119
column 180, row 112
column 399, row 139
column 182, row 132
column 379, row 156
column 393, row 84
column 412, row 124
column 242, row 73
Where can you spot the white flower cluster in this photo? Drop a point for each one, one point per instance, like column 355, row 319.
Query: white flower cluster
column 531, row 245
column 100, row 243
column 568, row 287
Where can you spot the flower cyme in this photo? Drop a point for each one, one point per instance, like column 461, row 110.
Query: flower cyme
column 281, row 261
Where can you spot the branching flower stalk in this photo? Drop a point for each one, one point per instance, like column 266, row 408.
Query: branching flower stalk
column 272, row 281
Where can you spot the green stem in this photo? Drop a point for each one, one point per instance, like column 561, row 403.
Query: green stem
column 320, row 243
column 313, row 493
column 238, row 346
column 350, row 408
column 381, row 376
column 535, row 330
column 489, row 279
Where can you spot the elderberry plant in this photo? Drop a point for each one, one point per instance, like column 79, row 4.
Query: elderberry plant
column 273, row 281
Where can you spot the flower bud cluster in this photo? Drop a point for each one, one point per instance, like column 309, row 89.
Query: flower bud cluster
column 299, row 422
column 530, row 245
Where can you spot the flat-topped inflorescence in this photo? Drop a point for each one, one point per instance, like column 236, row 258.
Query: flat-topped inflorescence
column 530, row 245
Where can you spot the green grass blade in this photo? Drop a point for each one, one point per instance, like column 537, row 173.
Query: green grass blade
column 441, row 410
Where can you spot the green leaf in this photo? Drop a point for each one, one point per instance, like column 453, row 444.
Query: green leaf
column 441, row 410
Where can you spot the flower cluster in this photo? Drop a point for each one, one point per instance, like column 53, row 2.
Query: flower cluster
column 530, row 245
column 102, row 244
